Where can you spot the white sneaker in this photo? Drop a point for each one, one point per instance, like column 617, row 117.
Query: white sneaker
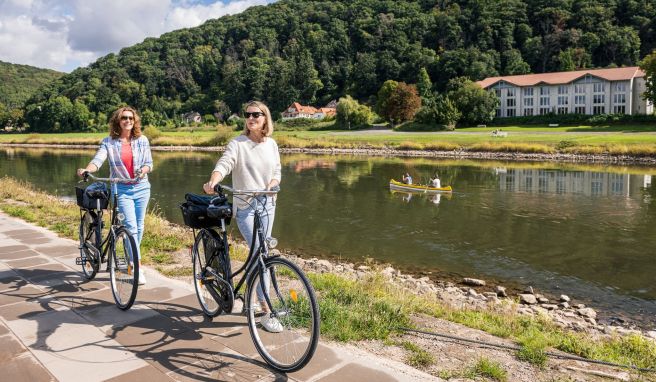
column 142, row 277
column 271, row 324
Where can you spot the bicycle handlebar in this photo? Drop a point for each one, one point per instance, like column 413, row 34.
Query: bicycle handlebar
column 219, row 188
column 88, row 175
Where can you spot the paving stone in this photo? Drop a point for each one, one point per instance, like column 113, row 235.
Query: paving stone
column 11, row 249
column 26, row 292
column 25, row 369
column 26, row 310
column 30, row 240
column 146, row 373
column 18, row 254
column 16, row 233
column 59, row 250
column 223, row 366
column 353, row 372
column 10, row 347
column 27, row 262
column 322, row 357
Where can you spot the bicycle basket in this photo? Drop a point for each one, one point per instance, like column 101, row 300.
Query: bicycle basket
column 195, row 211
column 86, row 201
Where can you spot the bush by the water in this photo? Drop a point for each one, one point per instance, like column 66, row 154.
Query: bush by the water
column 151, row 132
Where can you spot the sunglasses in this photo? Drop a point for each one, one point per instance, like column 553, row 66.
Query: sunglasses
column 127, row 118
column 255, row 114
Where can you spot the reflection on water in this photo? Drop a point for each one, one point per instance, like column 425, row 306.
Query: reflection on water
column 587, row 230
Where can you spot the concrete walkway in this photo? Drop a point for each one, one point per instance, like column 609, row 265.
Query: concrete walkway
column 54, row 325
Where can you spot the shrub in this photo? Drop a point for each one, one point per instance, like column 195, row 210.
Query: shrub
column 152, row 132
column 352, row 115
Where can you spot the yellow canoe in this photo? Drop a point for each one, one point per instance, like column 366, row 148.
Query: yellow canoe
column 398, row 186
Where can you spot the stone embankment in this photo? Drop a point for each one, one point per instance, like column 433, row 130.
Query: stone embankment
column 562, row 311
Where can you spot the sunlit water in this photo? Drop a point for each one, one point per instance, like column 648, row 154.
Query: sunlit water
column 584, row 230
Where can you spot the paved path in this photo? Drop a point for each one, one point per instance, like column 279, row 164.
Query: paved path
column 54, row 325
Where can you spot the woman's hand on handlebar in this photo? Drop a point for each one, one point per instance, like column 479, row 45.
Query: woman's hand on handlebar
column 82, row 171
column 208, row 188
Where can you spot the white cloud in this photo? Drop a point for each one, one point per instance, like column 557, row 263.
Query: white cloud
column 65, row 34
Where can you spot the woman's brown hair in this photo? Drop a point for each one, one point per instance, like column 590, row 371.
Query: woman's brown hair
column 115, row 123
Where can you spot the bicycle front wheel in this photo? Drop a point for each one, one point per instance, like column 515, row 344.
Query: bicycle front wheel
column 124, row 269
column 89, row 254
column 213, row 295
column 288, row 340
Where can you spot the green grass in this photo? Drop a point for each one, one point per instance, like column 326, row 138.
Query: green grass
column 418, row 357
column 487, row 368
column 638, row 140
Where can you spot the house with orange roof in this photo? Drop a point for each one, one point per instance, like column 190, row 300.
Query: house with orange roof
column 296, row 110
column 591, row 91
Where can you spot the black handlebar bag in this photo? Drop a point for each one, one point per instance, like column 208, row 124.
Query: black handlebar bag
column 198, row 211
column 88, row 197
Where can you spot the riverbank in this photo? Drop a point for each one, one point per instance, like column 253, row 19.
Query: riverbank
column 367, row 306
column 606, row 158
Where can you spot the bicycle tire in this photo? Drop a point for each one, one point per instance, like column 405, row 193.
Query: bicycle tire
column 214, row 296
column 89, row 254
column 294, row 304
column 123, row 268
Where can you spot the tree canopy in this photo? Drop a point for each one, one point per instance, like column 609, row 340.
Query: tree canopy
column 315, row 51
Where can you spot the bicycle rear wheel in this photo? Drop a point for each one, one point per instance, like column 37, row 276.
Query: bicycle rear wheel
column 213, row 295
column 124, row 269
column 294, row 305
column 89, row 254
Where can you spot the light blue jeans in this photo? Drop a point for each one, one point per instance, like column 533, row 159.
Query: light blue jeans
column 133, row 202
column 246, row 220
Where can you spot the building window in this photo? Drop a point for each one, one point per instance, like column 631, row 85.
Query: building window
column 598, row 87
column 562, row 89
column 598, row 110
column 620, row 109
column 544, row 90
column 510, row 92
column 544, row 101
column 620, row 87
column 498, row 113
column 528, row 92
column 510, row 102
column 619, row 98
column 579, row 100
column 497, row 91
column 579, row 110
column 563, row 100
column 528, row 112
column 510, row 113
column 528, row 101
column 579, row 89
column 598, row 98
column 544, row 110
column 562, row 110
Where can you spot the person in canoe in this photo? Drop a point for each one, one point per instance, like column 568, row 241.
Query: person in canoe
column 407, row 179
column 435, row 182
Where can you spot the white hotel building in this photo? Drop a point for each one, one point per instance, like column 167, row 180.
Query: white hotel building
column 595, row 91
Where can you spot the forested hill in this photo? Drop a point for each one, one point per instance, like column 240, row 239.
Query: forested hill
column 19, row 82
column 315, row 51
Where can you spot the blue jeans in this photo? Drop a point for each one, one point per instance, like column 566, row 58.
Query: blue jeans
column 133, row 202
column 246, row 220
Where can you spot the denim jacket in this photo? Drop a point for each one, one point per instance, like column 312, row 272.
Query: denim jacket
column 111, row 148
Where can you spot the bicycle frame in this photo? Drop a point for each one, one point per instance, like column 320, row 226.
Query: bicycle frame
column 255, row 259
column 103, row 245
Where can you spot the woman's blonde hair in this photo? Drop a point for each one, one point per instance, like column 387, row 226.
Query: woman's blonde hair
column 267, row 130
column 115, row 123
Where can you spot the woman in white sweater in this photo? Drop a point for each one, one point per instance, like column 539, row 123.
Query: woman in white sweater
column 254, row 161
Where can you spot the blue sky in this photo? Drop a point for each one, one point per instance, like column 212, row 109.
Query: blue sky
column 65, row 34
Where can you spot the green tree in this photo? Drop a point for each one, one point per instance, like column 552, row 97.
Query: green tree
column 476, row 104
column 439, row 111
column 403, row 103
column 648, row 65
column 353, row 115
column 383, row 97
column 424, row 85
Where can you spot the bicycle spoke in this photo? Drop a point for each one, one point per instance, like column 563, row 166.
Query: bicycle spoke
column 124, row 269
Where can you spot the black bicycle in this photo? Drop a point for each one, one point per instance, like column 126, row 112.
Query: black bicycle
column 118, row 249
column 275, row 288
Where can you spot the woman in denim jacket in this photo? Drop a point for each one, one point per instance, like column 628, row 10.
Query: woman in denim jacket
column 129, row 155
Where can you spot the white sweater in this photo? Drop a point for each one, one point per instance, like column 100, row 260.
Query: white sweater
column 253, row 165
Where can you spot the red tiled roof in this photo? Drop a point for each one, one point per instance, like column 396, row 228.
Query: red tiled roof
column 304, row 109
column 558, row 78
